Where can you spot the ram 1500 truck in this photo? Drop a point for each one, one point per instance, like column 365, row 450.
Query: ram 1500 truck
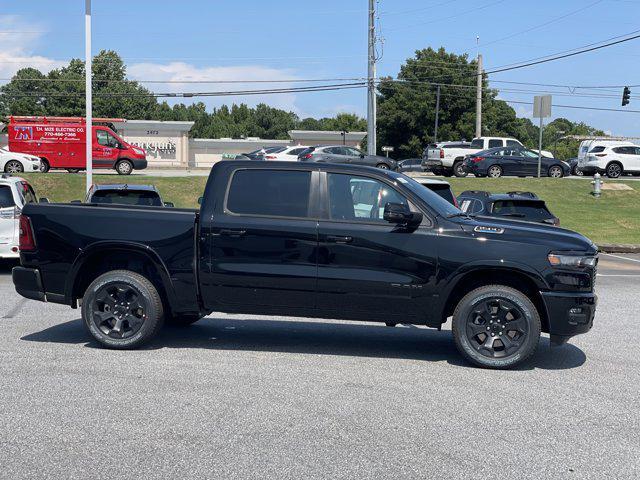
column 311, row 240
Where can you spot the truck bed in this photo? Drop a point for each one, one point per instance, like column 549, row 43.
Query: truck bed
column 66, row 234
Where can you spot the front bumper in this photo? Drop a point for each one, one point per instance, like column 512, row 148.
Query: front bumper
column 591, row 170
column 28, row 283
column 569, row 313
column 139, row 164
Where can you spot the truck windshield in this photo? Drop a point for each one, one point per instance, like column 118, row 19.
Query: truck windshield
column 435, row 201
column 127, row 197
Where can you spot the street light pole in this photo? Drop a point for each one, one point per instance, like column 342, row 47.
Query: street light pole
column 88, row 92
column 371, row 80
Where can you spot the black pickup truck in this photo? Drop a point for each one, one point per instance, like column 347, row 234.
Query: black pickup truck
column 311, row 240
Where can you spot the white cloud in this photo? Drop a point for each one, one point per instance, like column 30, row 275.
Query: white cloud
column 184, row 72
column 17, row 41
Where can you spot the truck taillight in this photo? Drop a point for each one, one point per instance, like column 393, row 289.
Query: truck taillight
column 27, row 239
column 477, row 159
column 441, row 153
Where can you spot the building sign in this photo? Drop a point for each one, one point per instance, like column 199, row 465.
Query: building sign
column 158, row 150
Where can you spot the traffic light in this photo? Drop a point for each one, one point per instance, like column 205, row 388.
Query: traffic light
column 626, row 94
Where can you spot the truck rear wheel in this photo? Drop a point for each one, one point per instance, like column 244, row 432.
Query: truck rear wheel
column 496, row 327
column 122, row 310
column 124, row 167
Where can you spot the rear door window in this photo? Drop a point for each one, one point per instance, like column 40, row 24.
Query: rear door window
column 513, row 143
column 28, row 195
column 272, row 193
column 495, row 143
column 125, row 197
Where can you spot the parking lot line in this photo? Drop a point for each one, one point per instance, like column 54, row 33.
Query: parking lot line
column 621, row 258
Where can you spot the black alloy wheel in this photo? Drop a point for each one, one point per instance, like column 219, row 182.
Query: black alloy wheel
column 496, row 327
column 122, row 309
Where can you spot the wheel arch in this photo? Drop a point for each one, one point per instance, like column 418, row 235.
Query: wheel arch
column 516, row 277
column 105, row 256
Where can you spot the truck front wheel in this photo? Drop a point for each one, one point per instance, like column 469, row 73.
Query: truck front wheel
column 496, row 327
column 124, row 167
column 122, row 310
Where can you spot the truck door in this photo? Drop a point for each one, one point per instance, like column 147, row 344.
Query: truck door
column 367, row 266
column 264, row 239
column 105, row 148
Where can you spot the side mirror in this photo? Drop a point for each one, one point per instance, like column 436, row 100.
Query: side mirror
column 169, row 204
column 44, row 200
column 401, row 214
column 199, row 200
column 75, row 201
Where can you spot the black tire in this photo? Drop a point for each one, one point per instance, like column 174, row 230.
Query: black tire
column 124, row 167
column 73, row 170
column 383, row 166
column 390, row 324
column 13, row 166
column 494, row 171
column 44, row 165
column 107, row 300
column 555, row 171
column 614, row 170
column 181, row 320
column 516, row 320
column 458, row 169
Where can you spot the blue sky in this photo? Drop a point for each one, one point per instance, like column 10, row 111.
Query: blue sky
column 285, row 39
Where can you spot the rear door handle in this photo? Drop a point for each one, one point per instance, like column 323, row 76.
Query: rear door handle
column 232, row 233
column 339, row 239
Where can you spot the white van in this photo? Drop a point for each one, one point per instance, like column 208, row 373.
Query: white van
column 15, row 193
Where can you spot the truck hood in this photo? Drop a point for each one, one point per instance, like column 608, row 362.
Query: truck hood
column 556, row 238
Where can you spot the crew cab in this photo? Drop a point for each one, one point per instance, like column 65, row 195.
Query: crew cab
column 447, row 159
column 311, row 240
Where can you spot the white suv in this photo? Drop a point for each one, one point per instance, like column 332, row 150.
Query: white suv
column 15, row 193
column 612, row 160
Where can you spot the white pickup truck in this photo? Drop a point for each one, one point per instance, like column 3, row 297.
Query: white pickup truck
column 446, row 158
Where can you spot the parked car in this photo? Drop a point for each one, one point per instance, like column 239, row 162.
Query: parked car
column 348, row 155
column 311, row 240
column 524, row 206
column 573, row 164
column 124, row 194
column 612, row 160
column 289, row 154
column 15, row 193
column 587, row 145
column 261, row 152
column 410, row 165
column 518, row 161
column 439, row 187
column 14, row 162
column 446, row 159
column 59, row 142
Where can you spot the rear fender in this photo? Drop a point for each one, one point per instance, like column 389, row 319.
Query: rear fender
column 124, row 246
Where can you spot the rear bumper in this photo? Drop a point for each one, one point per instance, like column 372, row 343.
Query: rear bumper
column 28, row 283
column 569, row 313
column 9, row 250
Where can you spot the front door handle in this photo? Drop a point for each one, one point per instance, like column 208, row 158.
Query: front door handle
column 339, row 239
column 232, row 233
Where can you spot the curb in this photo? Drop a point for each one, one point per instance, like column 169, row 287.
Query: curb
column 619, row 248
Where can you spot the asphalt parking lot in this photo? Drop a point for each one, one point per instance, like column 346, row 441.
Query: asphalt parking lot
column 268, row 397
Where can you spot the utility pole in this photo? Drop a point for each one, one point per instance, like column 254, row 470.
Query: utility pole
column 435, row 130
column 88, row 126
column 371, row 77
column 479, row 98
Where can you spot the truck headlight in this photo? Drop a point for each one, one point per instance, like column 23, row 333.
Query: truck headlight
column 567, row 260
